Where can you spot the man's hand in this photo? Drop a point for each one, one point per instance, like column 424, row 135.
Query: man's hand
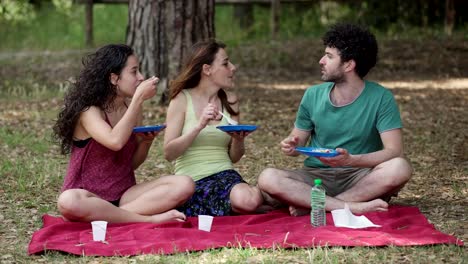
column 289, row 144
column 343, row 159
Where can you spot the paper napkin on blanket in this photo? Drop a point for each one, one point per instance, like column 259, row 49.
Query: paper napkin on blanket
column 344, row 218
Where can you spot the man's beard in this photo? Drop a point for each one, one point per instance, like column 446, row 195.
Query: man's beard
column 336, row 77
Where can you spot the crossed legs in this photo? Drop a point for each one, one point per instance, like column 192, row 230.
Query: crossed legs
column 146, row 202
column 294, row 189
column 245, row 198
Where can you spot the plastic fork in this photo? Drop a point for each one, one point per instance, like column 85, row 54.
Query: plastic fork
column 230, row 121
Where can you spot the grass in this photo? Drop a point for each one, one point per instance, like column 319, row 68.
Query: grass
column 433, row 112
column 42, row 32
column 418, row 65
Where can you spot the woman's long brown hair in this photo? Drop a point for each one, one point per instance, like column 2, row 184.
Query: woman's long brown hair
column 201, row 53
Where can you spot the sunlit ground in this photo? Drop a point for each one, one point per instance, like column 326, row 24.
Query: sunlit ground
column 452, row 83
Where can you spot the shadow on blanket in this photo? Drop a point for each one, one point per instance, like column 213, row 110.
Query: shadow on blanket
column 401, row 226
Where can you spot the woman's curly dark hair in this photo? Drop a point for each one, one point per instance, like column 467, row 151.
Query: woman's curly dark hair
column 92, row 88
column 354, row 43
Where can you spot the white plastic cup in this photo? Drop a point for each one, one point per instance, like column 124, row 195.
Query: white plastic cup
column 204, row 222
column 99, row 230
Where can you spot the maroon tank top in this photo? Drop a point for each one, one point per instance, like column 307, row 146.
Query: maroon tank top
column 100, row 170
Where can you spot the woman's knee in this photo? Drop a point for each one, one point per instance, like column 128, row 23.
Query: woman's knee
column 184, row 188
column 189, row 187
column 68, row 203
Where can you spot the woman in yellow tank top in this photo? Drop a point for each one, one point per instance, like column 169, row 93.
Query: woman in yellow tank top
column 192, row 140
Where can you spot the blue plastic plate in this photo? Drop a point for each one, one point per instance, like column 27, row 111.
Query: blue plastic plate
column 317, row 152
column 237, row 128
column 142, row 129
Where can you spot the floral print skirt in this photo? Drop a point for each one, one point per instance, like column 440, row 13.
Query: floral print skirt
column 211, row 195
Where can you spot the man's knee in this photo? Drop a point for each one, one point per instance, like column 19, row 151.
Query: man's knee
column 404, row 169
column 246, row 198
column 400, row 171
column 268, row 180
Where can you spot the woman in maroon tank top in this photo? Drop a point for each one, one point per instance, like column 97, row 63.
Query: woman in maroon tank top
column 95, row 127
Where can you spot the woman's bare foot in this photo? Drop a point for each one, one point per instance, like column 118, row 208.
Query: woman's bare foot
column 377, row 205
column 171, row 215
column 298, row 211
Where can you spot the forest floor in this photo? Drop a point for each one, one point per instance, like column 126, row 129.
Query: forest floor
column 429, row 79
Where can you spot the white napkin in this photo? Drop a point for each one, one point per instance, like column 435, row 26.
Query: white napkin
column 344, row 218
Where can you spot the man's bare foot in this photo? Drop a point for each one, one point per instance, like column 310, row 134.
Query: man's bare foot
column 298, row 211
column 268, row 200
column 376, row 205
column 171, row 215
column 264, row 208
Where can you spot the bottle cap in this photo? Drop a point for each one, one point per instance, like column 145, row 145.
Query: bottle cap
column 318, row 181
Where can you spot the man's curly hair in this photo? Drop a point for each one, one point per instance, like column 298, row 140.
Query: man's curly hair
column 353, row 43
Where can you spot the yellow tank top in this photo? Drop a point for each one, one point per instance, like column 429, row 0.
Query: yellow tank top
column 208, row 153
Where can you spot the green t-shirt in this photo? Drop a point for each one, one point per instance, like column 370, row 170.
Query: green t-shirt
column 355, row 126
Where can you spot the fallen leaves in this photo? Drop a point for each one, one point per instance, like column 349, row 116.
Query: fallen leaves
column 434, row 119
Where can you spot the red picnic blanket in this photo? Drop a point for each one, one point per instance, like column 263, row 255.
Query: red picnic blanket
column 401, row 226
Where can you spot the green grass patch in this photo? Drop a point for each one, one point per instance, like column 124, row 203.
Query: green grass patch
column 31, row 174
column 29, row 89
column 28, row 167
column 15, row 139
column 51, row 29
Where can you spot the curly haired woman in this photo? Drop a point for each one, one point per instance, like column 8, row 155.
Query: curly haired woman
column 96, row 127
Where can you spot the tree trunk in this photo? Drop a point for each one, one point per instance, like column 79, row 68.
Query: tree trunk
column 162, row 32
column 449, row 16
column 275, row 18
column 89, row 41
column 244, row 14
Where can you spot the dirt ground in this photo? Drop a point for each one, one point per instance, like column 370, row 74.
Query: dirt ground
column 430, row 82
column 429, row 79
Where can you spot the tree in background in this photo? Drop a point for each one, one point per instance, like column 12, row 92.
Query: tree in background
column 397, row 15
column 449, row 16
column 243, row 13
column 162, row 32
column 15, row 11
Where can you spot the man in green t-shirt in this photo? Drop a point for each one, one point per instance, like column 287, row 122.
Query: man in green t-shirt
column 357, row 118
